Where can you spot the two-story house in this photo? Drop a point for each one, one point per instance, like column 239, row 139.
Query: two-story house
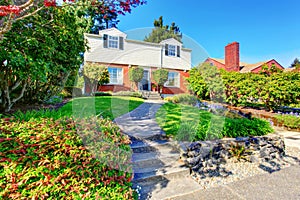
column 112, row 49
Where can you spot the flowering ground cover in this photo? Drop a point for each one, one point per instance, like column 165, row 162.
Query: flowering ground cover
column 67, row 153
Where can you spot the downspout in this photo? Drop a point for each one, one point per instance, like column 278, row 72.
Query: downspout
column 161, row 56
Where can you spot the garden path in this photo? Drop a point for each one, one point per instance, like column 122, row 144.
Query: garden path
column 158, row 171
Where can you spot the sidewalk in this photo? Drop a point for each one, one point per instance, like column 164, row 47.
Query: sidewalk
column 281, row 185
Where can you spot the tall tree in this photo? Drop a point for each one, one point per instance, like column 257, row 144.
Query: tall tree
column 296, row 63
column 104, row 13
column 39, row 52
column 162, row 32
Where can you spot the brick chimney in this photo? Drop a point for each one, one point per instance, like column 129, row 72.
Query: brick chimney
column 232, row 57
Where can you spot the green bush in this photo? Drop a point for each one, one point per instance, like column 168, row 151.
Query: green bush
column 54, row 100
column 66, row 158
column 98, row 94
column 129, row 94
column 289, row 121
column 183, row 99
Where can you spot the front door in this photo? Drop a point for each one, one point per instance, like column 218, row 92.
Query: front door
column 145, row 83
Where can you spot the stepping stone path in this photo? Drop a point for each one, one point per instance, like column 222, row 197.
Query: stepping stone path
column 158, row 171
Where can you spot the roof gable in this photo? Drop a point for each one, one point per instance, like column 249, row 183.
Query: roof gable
column 112, row 32
column 171, row 41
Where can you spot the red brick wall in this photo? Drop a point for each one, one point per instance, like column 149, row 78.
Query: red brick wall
column 127, row 85
column 183, row 84
column 232, row 57
column 116, row 88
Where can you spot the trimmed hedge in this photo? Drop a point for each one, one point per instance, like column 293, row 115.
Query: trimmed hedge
column 129, row 94
column 64, row 159
column 183, row 99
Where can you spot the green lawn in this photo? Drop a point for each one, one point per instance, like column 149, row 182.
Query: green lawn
column 106, row 106
column 189, row 123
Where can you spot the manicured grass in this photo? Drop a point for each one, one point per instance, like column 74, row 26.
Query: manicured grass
column 189, row 123
column 106, row 106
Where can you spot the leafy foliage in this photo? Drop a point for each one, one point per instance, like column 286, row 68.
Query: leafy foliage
column 205, row 80
column 160, row 76
column 289, row 121
column 183, row 99
column 128, row 94
column 44, row 158
column 162, row 32
column 39, row 53
column 197, row 83
column 270, row 88
column 136, row 74
column 173, row 119
column 95, row 75
column 105, row 13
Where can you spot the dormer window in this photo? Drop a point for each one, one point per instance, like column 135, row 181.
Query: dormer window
column 113, row 42
column 172, row 50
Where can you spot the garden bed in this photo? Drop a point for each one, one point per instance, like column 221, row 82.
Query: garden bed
column 187, row 123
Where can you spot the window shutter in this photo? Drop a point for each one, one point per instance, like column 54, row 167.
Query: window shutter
column 121, row 43
column 105, row 40
column 166, row 50
column 178, row 51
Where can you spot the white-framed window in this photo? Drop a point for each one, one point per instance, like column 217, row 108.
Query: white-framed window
column 173, row 80
column 113, row 42
column 115, row 75
column 172, row 50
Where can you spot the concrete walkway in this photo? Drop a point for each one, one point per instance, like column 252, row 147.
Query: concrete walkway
column 283, row 184
column 291, row 138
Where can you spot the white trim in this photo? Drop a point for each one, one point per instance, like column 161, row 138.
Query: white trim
column 122, row 76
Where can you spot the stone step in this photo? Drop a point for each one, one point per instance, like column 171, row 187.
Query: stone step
column 146, row 147
column 150, row 173
column 154, row 158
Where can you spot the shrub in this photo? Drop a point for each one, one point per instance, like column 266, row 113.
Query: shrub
column 44, row 158
column 183, row 99
column 289, row 121
column 98, row 94
column 71, row 91
column 54, row 100
column 129, row 94
column 186, row 131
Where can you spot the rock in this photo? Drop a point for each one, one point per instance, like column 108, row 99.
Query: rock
column 253, row 159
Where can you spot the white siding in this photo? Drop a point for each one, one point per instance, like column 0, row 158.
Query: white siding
column 136, row 52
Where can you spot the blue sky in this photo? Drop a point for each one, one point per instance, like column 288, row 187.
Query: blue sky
column 265, row 29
